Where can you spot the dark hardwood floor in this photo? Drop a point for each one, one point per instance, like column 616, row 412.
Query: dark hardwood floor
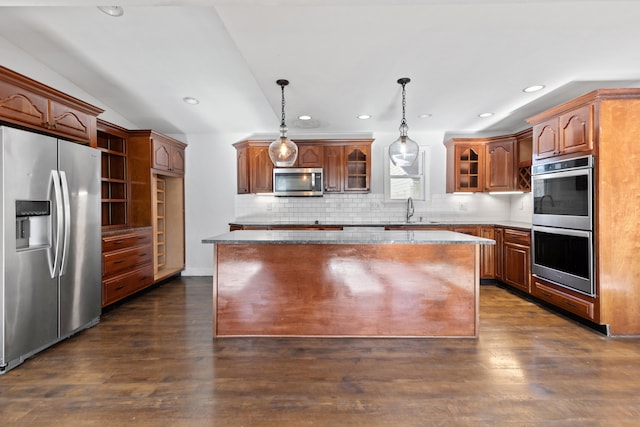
column 152, row 362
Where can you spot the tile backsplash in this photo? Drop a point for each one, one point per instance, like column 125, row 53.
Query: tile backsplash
column 371, row 208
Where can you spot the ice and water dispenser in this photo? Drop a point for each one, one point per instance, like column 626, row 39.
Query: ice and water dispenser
column 33, row 219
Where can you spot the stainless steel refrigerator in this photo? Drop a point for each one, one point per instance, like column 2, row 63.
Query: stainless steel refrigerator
column 50, row 281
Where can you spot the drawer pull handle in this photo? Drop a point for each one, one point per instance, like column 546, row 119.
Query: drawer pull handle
column 546, row 294
column 120, row 287
column 120, row 261
column 570, row 304
column 143, row 254
column 118, row 242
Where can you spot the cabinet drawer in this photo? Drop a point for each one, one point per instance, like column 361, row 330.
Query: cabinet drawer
column 565, row 301
column 517, row 236
column 119, row 261
column 121, row 286
column 126, row 240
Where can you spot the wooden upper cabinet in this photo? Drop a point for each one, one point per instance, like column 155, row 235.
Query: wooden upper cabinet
column 465, row 165
column 500, row 165
column 524, row 148
column 546, row 139
column 27, row 103
column 20, row 105
column 310, row 156
column 489, row 164
column 242, row 159
column 565, row 133
column 261, row 170
column 71, row 122
column 255, row 169
column 168, row 155
column 576, row 130
column 346, row 164
column 357, row 168
column 333, row 161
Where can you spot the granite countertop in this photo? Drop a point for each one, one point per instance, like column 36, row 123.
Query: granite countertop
column 361, row 237
column 444, row 223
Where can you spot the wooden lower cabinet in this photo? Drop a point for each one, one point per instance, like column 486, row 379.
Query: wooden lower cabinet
column 127, row 264
column 516, row 270
column 487, row 254
column 565, row 299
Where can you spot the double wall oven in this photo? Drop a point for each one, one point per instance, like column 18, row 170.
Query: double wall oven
column 563, row 223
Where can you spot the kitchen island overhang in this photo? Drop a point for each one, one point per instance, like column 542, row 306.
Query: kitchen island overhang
column 346, row 283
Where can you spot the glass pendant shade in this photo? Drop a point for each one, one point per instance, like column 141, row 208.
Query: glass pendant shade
column 283, row 152
column 404, row 151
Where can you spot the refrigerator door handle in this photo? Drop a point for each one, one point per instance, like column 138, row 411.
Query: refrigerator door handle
column 54, row 184
column 67, row 221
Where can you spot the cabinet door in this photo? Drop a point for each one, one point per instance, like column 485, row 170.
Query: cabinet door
column 499, row 170
column 545, row 139
column 576, row 130
column 75, row 124
column 161, row 155
column 357, row 167
column 310, row 156
column 176, row 163
column 487, row 254
column 333, row 169
column 516, row 266
column 468, row 168
column 261, row 170
column 499, row 260
column 242, row 157
column 21, row 106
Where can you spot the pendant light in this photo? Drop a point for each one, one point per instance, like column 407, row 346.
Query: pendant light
column 283, row 152
column 404, row 150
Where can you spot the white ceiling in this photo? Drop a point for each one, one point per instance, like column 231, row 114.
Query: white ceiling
column 342, row 58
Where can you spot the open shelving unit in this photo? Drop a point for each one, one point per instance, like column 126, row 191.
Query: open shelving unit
column 168, row 225
column 114, row 187
column 159, row 238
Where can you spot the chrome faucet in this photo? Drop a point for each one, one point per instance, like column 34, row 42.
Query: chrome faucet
column 410, row 209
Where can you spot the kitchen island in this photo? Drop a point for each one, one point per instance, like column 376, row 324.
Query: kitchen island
column 367, row 283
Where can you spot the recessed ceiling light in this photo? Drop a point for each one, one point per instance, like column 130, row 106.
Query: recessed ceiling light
column 304, row 117
column 425, row 116
column 364, row 116
column 533, row 88
column 191, row 100
column 114, row 11
column 485, row 115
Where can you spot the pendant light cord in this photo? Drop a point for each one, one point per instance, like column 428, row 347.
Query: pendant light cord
column 282, row 89
column 404, row 104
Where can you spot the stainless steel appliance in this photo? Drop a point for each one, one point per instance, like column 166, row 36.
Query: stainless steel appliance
column 563, row 193
column 562, row 239
column 50, row 242
column 564, row 257
column 298, row 182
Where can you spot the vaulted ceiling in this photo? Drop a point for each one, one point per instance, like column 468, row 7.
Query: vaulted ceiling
column 343, row 58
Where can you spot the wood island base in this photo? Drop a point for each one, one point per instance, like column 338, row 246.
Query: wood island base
column 346, row 290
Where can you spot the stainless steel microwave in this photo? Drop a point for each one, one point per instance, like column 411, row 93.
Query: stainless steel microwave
column 298, row 182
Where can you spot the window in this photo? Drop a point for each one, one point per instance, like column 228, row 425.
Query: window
column 400, row 183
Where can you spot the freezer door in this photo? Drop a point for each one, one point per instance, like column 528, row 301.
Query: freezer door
column 80, row 282
column 29, row 297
